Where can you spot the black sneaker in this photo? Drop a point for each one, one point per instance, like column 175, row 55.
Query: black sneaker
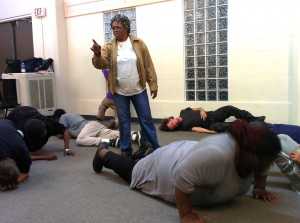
column 126, row 153
column 97, row 162
column 145, row 149
column 114, row 142
column 259, row 119
column 137, row 137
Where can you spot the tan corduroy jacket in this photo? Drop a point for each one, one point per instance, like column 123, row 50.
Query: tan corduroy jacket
column 145, row 67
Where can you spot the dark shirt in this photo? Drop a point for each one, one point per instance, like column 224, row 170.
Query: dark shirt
column 192, row 118
column 20, row 115
column 292, row 131
column 13, row 145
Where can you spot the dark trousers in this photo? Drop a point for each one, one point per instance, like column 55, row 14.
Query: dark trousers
column 219, row 116
column 121, row 165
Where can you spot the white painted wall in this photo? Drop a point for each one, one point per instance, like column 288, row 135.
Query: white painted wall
column 263, row 54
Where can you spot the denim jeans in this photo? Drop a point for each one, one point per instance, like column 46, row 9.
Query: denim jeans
column 142, row 108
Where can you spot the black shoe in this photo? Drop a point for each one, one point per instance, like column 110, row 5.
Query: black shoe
column 126, row 153
column 137, row 137
column 259, row 119
column 145, row 149
column 114, row 142
column 97, row 162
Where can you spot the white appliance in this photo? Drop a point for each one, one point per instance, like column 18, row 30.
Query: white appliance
column 36, row 90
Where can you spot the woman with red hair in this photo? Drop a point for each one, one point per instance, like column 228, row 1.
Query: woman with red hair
column 207, row 172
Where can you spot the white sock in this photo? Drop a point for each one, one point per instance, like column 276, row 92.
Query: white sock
column 105, row 140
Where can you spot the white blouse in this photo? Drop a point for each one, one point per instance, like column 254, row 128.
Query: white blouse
column 128, row 77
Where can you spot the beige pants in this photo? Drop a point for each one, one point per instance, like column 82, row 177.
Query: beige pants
column 93, row 132
column 106, row 104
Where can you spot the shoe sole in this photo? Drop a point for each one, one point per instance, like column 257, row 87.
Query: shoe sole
column 97, row 162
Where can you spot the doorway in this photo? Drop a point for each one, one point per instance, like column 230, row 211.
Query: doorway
column 16, row 41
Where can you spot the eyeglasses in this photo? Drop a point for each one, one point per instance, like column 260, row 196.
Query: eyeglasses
column 115, row 28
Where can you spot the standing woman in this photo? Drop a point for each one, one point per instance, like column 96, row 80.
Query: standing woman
column 130, row 67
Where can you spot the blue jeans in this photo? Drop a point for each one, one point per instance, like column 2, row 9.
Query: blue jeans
column 142, row 108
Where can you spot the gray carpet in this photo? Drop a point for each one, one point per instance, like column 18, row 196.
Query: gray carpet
column 68, row 190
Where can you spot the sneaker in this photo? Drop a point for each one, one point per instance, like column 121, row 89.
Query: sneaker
column 137, row 137
column 259, row 119
column 114, row 142
column 145, row 149
column 126, row 153
column 97, row 162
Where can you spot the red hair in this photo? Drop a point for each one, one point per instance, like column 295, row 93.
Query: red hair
column 255, row 138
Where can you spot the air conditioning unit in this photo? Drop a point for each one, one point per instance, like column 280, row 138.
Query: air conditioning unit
column 36, row 90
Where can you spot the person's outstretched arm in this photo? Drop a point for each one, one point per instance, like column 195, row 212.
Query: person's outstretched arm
column 202, row 130
column 67, row 151
column 184, row 207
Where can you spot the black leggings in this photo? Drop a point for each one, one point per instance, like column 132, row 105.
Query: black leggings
column 221, row 114
column 121, row 165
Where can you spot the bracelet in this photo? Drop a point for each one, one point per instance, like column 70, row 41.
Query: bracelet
column 67, row 150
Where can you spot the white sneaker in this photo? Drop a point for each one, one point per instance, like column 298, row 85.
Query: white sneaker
column 136, row 137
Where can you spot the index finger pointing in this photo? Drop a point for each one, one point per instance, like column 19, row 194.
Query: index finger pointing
column 95, row 42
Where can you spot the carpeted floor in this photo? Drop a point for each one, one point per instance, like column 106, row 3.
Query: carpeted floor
column 68, row 190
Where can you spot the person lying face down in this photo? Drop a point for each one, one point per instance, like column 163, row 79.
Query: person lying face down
column 15, row 160
column 198, row 120
column 207, row 172
column 37, row 129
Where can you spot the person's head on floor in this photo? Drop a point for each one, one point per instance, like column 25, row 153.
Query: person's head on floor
column 58, row 113
column 9, row 174
column 120, row 26
column 35, row 131
column 258, row 146
column 169, row 124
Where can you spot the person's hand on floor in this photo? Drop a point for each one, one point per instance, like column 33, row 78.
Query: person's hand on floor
column 4, row 187
column 264, row 195
column 68, row 152
column 191, row 218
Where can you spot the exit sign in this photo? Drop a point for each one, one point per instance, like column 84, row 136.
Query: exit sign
column 39, row 12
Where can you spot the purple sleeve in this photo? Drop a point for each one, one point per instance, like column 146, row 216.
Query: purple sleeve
column 105, row 72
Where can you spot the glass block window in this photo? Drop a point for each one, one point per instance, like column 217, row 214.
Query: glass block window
column 206, row 59
column 130, row 13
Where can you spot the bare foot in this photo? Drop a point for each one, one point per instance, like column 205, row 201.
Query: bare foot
column 295, row 156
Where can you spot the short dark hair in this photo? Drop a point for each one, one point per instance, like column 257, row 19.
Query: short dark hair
column 164, row 125
column 123, row 19
column 9, row 172
column 58, row 112
column 34, row 129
